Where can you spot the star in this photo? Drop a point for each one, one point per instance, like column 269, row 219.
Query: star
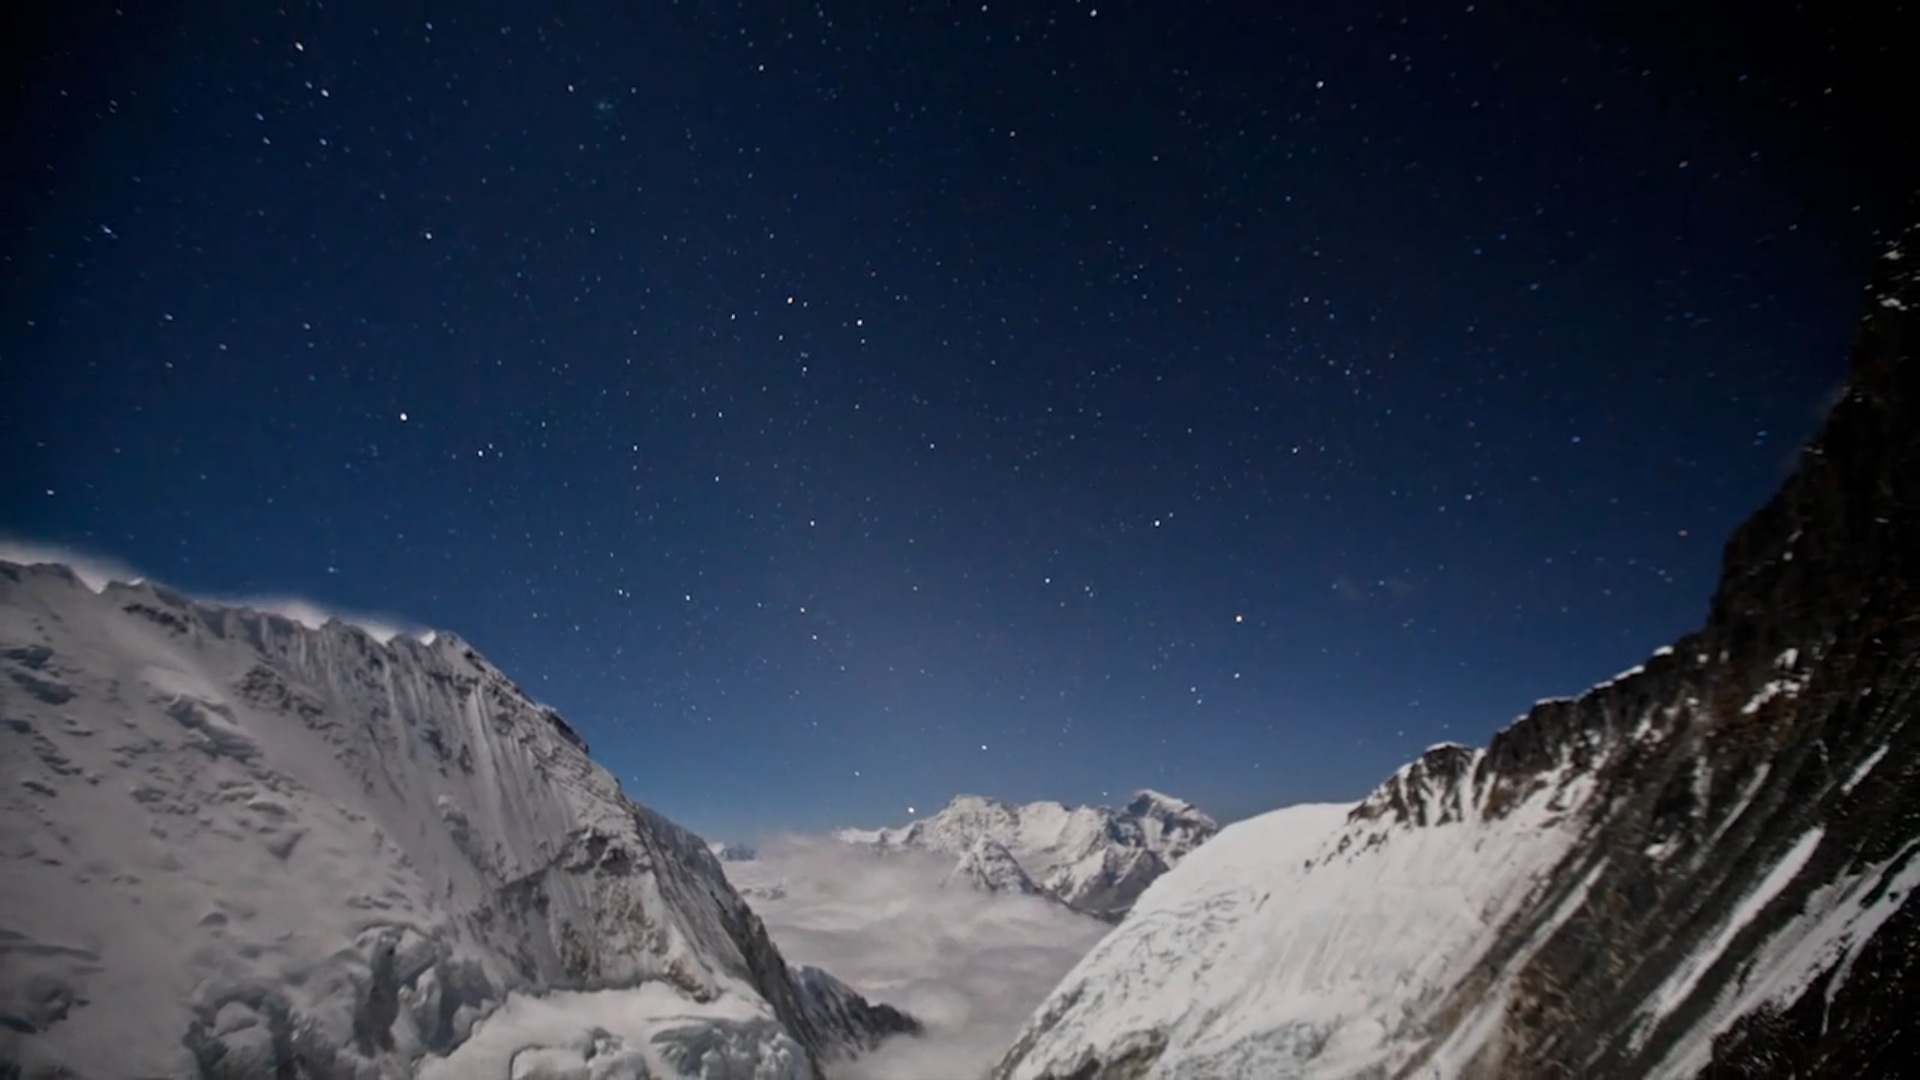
column 860, row 360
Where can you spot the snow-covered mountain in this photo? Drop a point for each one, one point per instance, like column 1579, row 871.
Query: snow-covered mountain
column 1705, row 866
column 727, row 851
column 990, row 867
column 232, row 845
column 1094, row 859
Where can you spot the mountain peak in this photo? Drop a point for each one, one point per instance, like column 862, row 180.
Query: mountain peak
column 968, row 801
column 990, row 867
column 1435, row 788
column 733, row 851
column 1147, row 800
column 1094, row 859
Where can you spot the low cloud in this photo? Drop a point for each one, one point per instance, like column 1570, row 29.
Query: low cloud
column 98, row 571
column 972, row 966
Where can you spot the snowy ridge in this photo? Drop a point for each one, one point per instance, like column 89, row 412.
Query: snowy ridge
column 1401, row 935
column 1094, row 859
column 97, row 573
column 234, row 844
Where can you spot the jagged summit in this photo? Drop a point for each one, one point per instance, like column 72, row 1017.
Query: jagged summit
column 99, row 575
column 1147, row 800
column 238, row 845
column 1432, row 789
column 1704, row 866
column 733, row 851
column 1094, row 859
column 990, row 867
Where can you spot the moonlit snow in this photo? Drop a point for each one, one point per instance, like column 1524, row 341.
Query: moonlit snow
column 238, row 846
column 1094, row 859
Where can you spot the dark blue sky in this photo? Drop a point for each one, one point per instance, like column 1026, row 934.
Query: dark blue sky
column 834, row 408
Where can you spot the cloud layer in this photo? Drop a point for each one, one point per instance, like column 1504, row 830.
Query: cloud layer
column 970, row 965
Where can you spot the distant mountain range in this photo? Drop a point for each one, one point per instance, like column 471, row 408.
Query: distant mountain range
column 1705, row 867
column 727, row 851
column 1095, row 859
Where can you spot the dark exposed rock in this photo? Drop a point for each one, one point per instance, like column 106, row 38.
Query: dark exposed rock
column 849, row 1018
column 565, row 729
column 1428, row 791
column 171, row 620
column 1792, row 709
column 46, row 691
column 1757, row 729
column 1865, row 1027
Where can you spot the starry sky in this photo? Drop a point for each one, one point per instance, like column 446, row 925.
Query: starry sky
column 835, row 407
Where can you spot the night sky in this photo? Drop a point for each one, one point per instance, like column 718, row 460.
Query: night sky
column 832, row 408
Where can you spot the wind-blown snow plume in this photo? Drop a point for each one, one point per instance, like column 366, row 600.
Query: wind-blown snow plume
column 98, row 571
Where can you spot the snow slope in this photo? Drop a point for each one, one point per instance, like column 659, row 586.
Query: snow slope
column 1407, row 935
column 1094, row 859
column 1300, row 943
column 232, row 844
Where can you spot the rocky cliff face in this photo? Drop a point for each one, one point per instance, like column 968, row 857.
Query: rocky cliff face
column 1702, row 867
column 1095, row 859
column 235, row 846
